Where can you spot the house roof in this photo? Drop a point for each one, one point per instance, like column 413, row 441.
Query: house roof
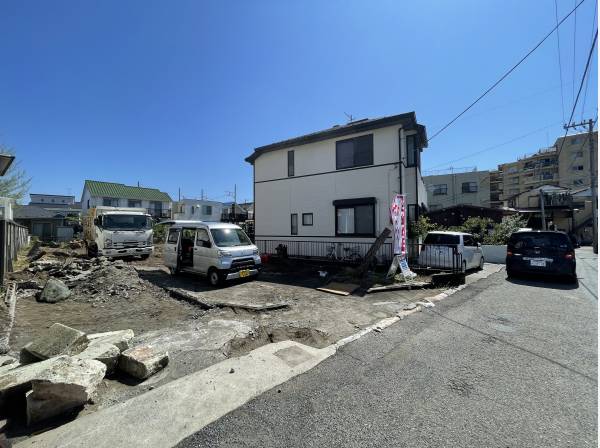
column 33, row 212
column 114, row 190
column 407, row 120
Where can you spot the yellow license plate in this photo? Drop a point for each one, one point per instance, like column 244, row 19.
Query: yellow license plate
column 244, row 273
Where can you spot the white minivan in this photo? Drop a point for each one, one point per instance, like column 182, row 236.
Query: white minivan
column 218, row 250
column 451, row 250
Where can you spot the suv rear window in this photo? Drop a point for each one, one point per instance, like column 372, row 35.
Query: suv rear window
column 442, row 239
column 526, row 240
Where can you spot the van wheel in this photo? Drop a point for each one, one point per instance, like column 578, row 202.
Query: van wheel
column 481, row 262
column 214, row 277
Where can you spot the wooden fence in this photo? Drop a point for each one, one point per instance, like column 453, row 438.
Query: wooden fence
column 12, row 238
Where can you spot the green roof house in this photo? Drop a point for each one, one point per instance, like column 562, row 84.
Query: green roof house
column 98, row 194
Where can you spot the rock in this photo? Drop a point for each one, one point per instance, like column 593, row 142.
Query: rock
column 57, row 340
column 69, row 384
column 143, row 361
column 6, row 360
column 54, row 291
column 107, row 354
column 232, row 370
column 120, row 338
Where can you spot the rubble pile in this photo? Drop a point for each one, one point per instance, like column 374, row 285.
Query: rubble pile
column 61, row 370
column 92, row 280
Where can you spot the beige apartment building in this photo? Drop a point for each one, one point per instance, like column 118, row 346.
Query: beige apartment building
column 458, row 188
column 567, row 167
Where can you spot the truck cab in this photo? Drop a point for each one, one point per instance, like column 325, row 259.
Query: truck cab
column 219, row 251
column 118, row 232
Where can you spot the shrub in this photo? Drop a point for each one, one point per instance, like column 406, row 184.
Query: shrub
column 502, row 231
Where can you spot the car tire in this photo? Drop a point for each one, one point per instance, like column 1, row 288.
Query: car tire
column 481, row 262
column 214, row 277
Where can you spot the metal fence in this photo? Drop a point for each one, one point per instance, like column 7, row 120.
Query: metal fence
column 419, row 256
column 13, row 237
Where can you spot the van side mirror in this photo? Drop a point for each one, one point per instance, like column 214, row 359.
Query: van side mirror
column 98, row 222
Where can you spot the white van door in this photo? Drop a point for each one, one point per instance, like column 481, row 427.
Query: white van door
column 469, row 250
column 170, row 252
column 203, row 251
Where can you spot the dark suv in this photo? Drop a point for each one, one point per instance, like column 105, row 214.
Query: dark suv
column 540, row 252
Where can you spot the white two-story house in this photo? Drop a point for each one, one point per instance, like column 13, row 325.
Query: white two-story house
column 333, row 188
column 197, row 210
column 109, row 194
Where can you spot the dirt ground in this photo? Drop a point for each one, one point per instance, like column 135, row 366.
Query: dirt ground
column 196, row 337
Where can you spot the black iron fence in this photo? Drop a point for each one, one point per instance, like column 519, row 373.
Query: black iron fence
column 419, row 256
column 13, row 237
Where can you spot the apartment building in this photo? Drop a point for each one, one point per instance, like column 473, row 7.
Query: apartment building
column 470, row 187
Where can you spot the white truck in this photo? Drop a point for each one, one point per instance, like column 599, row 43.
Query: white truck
column 118, row 232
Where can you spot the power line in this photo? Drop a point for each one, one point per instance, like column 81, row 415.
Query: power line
column 503, row 77
column 497, row 146
column 585, row 71
column 562, row 96
column 587, row 81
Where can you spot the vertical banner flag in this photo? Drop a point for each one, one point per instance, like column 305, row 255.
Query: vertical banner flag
column 398, row 212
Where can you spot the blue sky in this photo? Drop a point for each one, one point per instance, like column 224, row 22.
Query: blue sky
column 174, row 94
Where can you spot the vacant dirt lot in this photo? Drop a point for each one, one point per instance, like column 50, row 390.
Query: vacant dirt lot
column 135, row 295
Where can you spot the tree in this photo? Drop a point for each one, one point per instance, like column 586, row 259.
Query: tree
column 502, row 231
column 477, row 226
column 15, row 183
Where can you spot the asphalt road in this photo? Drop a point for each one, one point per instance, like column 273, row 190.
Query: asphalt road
column 499, row 364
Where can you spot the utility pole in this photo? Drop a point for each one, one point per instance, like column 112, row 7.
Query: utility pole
column 593, row 178
column 543, row 210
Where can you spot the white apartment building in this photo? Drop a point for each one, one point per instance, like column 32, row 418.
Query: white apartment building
column 336, row 185
column 458, row 188
column 197, row 209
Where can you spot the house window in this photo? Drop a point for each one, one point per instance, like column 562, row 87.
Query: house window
column 577, row 154
column 192, row 209
column 440, row 189
column 294, row 224
column 110, row 202
column 290, row 163
column 307, row 219
column 412, row 151
column 355, row 217
column 469, row 187
column 512, row 170
column 354, row 152
column 208, row 209
column 134, row 203
column 546, row 176
column 578, row 168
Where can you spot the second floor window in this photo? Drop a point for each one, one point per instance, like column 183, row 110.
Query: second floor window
column 354, row 152
column 208, row 209
column 469, row 187
column 110, row 202
column 290, row 163
column 134, row 203
column 412, row 151
column 440, row 189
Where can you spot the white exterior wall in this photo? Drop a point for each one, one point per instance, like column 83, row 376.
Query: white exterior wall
column 197, row 213
column 316, row 184
column 97, row 201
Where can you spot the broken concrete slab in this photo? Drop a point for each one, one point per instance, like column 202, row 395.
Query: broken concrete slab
column 208, row 303
column 6, row 360
column 143, row 362
column 400, row 286
column 119, row 338
column 57, row 340
column 54, row 291
column 68, row 384
column 107, row 354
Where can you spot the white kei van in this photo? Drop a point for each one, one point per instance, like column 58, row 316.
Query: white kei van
column 218, row 250
column 451, row 250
